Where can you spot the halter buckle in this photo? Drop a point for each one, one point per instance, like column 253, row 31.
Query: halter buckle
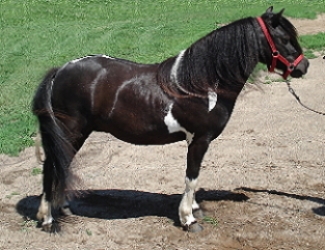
column 291, row 67
column 275, row 54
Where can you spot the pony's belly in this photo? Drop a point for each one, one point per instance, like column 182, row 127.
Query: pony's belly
column 148, row 138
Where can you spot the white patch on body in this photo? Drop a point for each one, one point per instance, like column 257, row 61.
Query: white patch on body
column 118, row 93
column 94, row 85
column 185, row 208
column 79, row 59
column 44, row 211
column 84, row 57
column 108, row 57
column 173, row 126
column 52, row 82
column 75, row 61
column 137, row 81
column 212, row 97
column 173, row 74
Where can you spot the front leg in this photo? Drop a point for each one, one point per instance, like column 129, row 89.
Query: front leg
column 196, row 151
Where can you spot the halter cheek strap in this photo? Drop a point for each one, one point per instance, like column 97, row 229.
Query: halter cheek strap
column 276, row 54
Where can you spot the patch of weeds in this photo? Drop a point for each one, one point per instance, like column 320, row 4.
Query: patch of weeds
column 36, row 171
column 88, row 232
column 27, row 224
column 279, row 80
column 268, row 80
column 12, row 194
column 211, row 220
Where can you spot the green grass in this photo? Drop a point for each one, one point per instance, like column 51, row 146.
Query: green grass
column 211, row 220
column 27, row 224
column 36, row 35
column 313, row 42
column 36, row 171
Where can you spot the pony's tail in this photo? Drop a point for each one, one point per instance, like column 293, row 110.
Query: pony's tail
column 38, row 150
column 57, row 148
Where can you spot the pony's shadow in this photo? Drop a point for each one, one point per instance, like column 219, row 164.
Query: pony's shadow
column 317, row 210
column 123, row 204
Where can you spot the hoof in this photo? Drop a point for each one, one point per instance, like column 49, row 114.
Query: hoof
column 53, row 227
column 193, row 228
column 198, row 214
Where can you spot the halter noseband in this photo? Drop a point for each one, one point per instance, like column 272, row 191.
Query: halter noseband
column 276, row 54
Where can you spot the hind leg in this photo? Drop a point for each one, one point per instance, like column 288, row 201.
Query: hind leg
column 44, row 214
column 77, row 144
column 45, row 209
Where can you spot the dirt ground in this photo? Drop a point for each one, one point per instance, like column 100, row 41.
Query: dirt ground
column 261, row 183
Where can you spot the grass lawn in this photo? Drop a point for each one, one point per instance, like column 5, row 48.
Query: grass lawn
column 36, row 35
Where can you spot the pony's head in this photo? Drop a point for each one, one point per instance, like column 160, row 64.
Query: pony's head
column 281, row 48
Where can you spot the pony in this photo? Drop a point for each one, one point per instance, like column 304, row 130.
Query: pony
column 186, row 97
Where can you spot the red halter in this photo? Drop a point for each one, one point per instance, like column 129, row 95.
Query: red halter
column 276, row 54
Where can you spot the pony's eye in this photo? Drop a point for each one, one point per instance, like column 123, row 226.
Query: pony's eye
column 285, row 39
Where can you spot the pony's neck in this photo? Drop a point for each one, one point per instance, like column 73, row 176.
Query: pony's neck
column 224, row 58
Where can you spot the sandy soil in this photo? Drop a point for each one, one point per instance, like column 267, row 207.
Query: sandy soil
column 262, row 181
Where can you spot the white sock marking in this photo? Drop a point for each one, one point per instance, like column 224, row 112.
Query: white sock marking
column 185, row 208
column 194, row 204
column 44, row 211
column 173, row 126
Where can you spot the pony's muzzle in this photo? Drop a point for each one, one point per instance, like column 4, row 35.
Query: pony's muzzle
column 300, row 69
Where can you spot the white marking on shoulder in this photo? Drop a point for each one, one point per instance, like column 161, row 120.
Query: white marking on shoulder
column 173, row 126
column 171, row 123
column 212, row 96
column 173, row 74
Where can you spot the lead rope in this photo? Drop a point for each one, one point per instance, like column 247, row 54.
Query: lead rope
column 291, row 90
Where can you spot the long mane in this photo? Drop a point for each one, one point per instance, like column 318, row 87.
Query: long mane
column 226, row 56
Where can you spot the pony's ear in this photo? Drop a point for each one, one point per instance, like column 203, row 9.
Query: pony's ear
column 275, row 20
column 269, row 10
column 280, row 13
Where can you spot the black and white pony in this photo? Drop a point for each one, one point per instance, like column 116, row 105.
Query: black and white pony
column 186, row 97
